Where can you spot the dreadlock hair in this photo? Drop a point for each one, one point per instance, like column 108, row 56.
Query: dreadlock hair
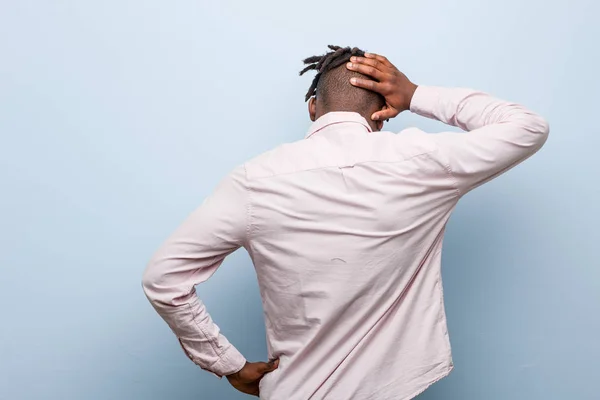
column 332, row 82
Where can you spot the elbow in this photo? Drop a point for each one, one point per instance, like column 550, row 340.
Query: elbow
column 160, row 284
column 151, row 282
column 536, row 130
column 542, row 128
column 147, row 282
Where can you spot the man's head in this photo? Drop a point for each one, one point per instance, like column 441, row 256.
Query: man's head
column 331, row 89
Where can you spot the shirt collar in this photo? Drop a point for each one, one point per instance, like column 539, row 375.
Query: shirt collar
column 335, row 118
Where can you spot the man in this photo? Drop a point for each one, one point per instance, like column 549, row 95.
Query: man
column 345, row 230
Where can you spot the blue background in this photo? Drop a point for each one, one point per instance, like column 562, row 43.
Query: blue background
column 117, row 118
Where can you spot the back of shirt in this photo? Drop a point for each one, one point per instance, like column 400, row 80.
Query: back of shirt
column 346, row 233
column 345, row 230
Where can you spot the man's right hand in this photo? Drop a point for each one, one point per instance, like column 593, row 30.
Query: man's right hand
column 392, row 84
column 247, row 379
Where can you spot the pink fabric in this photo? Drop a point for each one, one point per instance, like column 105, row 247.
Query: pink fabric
column 345, row 230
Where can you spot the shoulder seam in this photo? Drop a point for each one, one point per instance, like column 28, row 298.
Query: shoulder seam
column 248, row 206
column 448, row 170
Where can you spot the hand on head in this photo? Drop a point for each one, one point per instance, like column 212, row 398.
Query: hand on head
column 388, row 81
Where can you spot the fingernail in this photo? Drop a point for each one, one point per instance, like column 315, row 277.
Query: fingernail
column 352, row 80
column 375, row 117
column 353, row 59
column 349, row 65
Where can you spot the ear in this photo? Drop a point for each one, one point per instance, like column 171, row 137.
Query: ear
column 312, row 108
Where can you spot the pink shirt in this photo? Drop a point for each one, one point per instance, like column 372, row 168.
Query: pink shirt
column 345, row 230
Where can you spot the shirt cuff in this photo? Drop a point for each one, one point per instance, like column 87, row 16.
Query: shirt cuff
column 230, row 362
column 424, row 101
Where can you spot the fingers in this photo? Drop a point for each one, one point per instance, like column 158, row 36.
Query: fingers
column 384, row 114
column 370, row 61
column 366, row 69
column 379, row 58
column 264, row 368
column 368, row 84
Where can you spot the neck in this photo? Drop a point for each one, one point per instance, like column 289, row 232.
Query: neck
column 372, row 124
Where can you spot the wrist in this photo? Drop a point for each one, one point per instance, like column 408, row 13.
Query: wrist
column 410, row 92
column 236, row 373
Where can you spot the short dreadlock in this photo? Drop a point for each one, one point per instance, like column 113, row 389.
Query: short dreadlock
column 327, row 62
column 332, row 87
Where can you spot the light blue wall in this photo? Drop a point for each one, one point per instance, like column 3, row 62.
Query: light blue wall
column 118, row 117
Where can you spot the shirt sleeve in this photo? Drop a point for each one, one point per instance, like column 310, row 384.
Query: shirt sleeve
column 499, row 134
column 190, row 256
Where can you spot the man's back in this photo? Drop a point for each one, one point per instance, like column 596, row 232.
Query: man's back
column 345, row 230
column 345, row 234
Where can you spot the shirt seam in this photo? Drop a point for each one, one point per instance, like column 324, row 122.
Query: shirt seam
column 448, row 170
column 220, row 356
column 248, row 206
column 208, row 337
column 249, row 212
column 337, row 166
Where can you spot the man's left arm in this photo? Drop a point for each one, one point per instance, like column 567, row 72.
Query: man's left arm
column 189, row 257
